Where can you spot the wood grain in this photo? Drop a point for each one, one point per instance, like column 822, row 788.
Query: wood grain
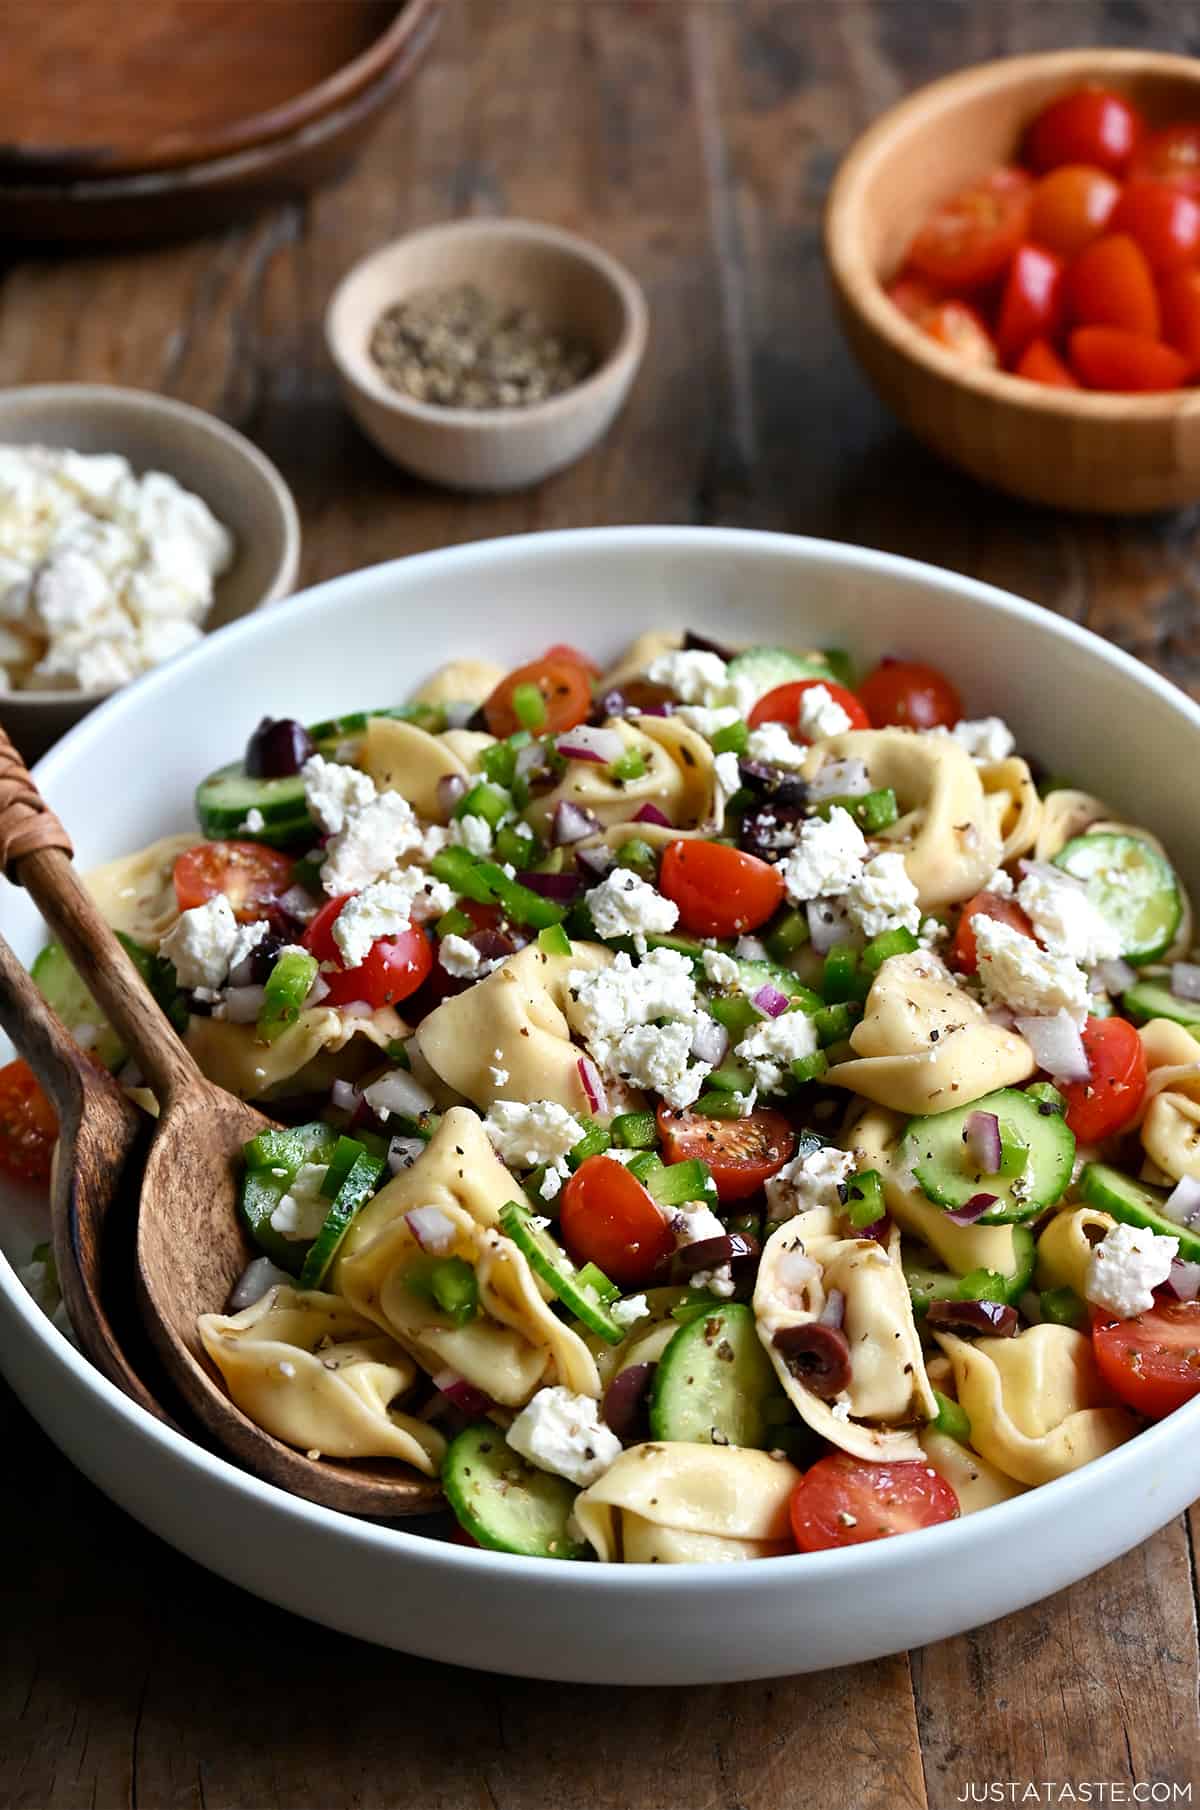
column 696, row 141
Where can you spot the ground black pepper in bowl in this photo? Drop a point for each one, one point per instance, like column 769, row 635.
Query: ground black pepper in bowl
column 459, row 348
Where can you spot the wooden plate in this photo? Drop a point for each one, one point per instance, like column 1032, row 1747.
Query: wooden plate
column 178, row 82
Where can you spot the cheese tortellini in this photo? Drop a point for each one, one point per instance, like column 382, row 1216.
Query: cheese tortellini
column 1170, row 1129
column 1065, row 1246
column 1013, row 805
column 321, row 1047
column 679, row 778
column 401, row 757
column 675, row 1504
column 136, row 893
column 975, row 1482
column 462, row 681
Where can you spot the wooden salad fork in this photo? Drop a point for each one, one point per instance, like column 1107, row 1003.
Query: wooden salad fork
column 191, row 1246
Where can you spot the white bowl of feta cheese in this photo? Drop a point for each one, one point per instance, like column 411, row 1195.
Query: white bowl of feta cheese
column 130, row 526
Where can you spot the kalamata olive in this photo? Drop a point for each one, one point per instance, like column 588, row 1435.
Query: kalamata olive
column 771, row 831
column 636, row 697
column 624, row 1406
column 817, row 1356
column 262, row 959
column 278, row 748
column 711, row 1253
column 973, row 1319
column 700, row 644
column 766, row 780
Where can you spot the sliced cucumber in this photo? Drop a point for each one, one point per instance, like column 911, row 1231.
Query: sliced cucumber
column 504, row 1503
column 353, row 1195
column 934, row 1148
column 768, row 667
column 333, row 736
column 225, row 799
column 548, row 1260
column 714, row 1384
column 62, row 989
column 1136, row 1204
column 1131, row 885
column 1150, row 1000
column 927, row 1281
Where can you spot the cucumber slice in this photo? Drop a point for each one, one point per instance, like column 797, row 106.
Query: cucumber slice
column 934, row 1149
column 504, row 1503
column 1136, row 1204
column 549, row 1261
column 1150, row 1000
column 226, row 797
column 353, row 1194
column 768, row 667
column 333, row 736
column 927, row 1281
column 715, row 1384
column 1132, row 885
column 62, row 989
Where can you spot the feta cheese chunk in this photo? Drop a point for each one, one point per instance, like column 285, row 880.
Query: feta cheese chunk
column 729, row 777
column 303, row 1209
column 334, row 792
column 812, row 1180
column 387, row 908
column 626, row 905
column 627, row 1313
column 527, row 1134
column 1032, row 982
column 693, row 675
column 369, row 844
column 721, row 969
column 772, row 743
column 461, row 959
column 882, row 897
column 658, row 1057
column 1065, row 919
column 617, row 1009
column 203, row 942
column 562, row 1433
column 705, row 721
column 472, row 833
column 694, row 1223
column 828, row 859
column 986, row 739
column 773, row 1045
column 1126, row 1267
column 821, row 715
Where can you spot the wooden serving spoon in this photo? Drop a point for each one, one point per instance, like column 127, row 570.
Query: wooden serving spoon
column 191, row 1245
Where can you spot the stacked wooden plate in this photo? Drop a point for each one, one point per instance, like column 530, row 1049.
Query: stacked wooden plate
column 123, row 121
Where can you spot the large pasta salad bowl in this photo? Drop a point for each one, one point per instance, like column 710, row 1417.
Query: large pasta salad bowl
column 439, row 1272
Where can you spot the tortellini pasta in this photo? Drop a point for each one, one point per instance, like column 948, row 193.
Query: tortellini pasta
column 671, row 1504
column 323, row 1046
column 1013, row 804
column 463, row 681
column 679, row 778
column 136, row 894
column 1065, row 814
column 315, row 1374
column 401, row 757
column 1065, row 1246
column 639, row 655
column 975, row 1482
column 457, row 1168
column 1170, row 1128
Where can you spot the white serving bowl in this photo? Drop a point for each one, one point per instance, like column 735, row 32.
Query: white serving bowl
column 1083, row 707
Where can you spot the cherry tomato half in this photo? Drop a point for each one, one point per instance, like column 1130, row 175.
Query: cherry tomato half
column 609, row 1219
column 252, row 877
column 1032, row 301
column 783, row 705
column 562, row 650
column 1091, row 125
column 1172, row 155
column 968, row 240
column 912, row 696
column 1179, row 294
column 565, row 692
column 1113, row 1093
column 1105, row 358
column 1164, row 220
column 394, row 967
column 1071, row 207
column 963, row 954
column 844, row 1501
column 1040, row 363
column 719, row 890
column 962, row 330
column 741, row 1153
column 914, row 295
column 1110, row 284
column 28, row 1125
column 1152, row 1363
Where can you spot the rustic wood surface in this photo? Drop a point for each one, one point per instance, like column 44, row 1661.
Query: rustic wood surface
column 696, row 141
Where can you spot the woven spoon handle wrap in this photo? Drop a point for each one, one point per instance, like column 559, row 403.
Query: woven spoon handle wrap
column 27, row 823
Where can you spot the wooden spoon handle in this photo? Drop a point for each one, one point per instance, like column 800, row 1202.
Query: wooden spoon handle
column 35, row 853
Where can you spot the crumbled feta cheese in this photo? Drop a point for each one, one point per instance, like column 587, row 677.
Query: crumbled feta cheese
column 628, row 1312
column 692, row 675
column 334, row 792
column 772, row 1045
column 828, row 859
column 841, row 1411
column 202, row 943
column 721, row 969
column 616, row 1010
column 750, row 949
column 499, row 1075
column 369, row 844
column 526, row 1135
column 387, row 908
column 933, row 932
column 658, row 1057
column 694, row 1223
column 562, row 1433
column 706, row 722
column 729, row 775
column 253, row 823
column 821, row 715
column 811, row 1180
column 883, row 897
column 472, row 833
column 772, row 743
column 461, row 959
column 1001, row 884
column 1065, row 918
column 626, row 905
column 718, row 1281
column 986, row 739
column 302, row 1211
column 1032, row 982
column 1126, row 1267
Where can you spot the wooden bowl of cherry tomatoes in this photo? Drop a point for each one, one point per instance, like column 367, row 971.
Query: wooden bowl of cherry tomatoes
column 1015, row 252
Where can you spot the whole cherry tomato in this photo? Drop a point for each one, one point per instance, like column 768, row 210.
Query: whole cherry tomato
column 1040, row 363
column 1179, row 294
column 1090, row 125
column 969, row 239
column 963, row 954
column 566, row 696
column 910, row 695
column 741, row 1153
column 1171, row 155
column 1164, row 220
column 1110, row 284
column 783, row 705
column 609, row 1219
column 1071, row 207
column 1112, row 1095
column 719, row 891
column 845, row 1501
column 1152, row 1363
column 252, row 878
column 393, row 967
column 1105, row 358
column 962, row 330
column 562, row 650
column 1032, row 301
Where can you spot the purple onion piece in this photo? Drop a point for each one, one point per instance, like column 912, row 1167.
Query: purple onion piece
column 834, row 1310
column 778, row 784
column 1184, row 1280
column 982, row 1138
column 769, row 1001
column 969, row 1212
column 624, row 1408
column 650, row 813
column 1184, row 979
column 450, row 788
column 1183, row 1202
column 711, row 1253
column 587, row 743
column 701, row 644
column 571, row 823
column 614, row 703
column 278, row 748
column 710, row 1041
column 592, row 1084
column 595, row 861
column 563, row 888
column 973, row 1319
column 1057, row 1045
column 879, row 1229
column 818, row 1357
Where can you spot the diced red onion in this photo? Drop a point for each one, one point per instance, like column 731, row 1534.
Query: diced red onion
column 710, row 1041
column 593, row 1086
column 1045, row 870
column 317, row 992
column 254, row 1282
column 571, row 823
column 879, row 1229
column 461, row 1394
column 1115, row 976
column 530, row 759
column 827, row 924
column 1184, row 1280
column 625, row 1399
column 403, row 1153
column 1001, row 1015
column 586, row 743
column 614, row 703
column 596, row 860
column 1185, row 980
column 398, row 1091
column 834, row 1310
column 969, row 1212
column 433, row 1230
column 450, row 788
column 840, row 779
column 299, row 903
column 650, row 813
column 1057, row 1046
column 347, row 1098
column 769, row 1001
column 983, row 1141
column 243, row 1004
column 1183, row 1202
column 564, row 888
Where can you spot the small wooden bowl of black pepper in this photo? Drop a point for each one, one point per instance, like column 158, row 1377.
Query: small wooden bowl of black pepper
column 486, row 354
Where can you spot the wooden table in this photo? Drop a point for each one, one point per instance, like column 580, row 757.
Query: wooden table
column 696, row 141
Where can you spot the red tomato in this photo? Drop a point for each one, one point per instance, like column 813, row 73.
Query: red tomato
column 1180, row 297
column 1172, row 155
column 1110, row 285
column 1071, row 207
column 1165, row 222
column 914, row 295
column 1112, row 1095
column 1090, row 125
column 395, row 966
column 783, row 705
column 1152, row 1363
column 564, row 688
column 909, row 695
column 562, row 650
column 1032, row 301
column 719, row 890
column 28, row 1126
column 609, row 1219
column 961, row 329
column 844, row 1501
column 968, row 240
column 251, row 877
column 742, row 1153
column 1105, row 358
column 1040, row 363
column 963, row 954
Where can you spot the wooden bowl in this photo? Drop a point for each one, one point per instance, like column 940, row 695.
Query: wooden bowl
column 1116, row 454
column 573, row 285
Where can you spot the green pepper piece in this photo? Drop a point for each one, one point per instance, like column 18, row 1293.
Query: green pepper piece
column 833, row 1024
column 454, row 923
column 594, row 1142
column 790, row 934
column 520, row 903
column 449, row 1282
column 517, row 845
column 459, row 869
column 529, row 706
column 675, row 1183
column 639, row 856
column 809, row 1068
column 891, row 942
column 635, row 1130
column 627, row 766
column 1063, row 1307
column 951, row 1419
column 865, row 1203
column 487, row 801
column 733, row 739
column 841, row 980
column 288, row 986
column 553, row 940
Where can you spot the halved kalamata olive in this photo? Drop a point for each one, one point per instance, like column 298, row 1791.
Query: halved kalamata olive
column 278, row 748
column 624, row 1405
column 711, row 1253
column 493, row 945
column 635, row 697
column 700, row 644
column 973, row 1319
column 771, row 831
column 766, row 780
column 817, row 1356
column 262, row 959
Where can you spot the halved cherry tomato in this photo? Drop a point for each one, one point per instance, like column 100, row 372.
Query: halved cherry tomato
column 963, row 954
column 1090, row 125
column 783, row 705
column 719, row 890
column 1040, row 363
column 962, row 330
column 1032, row 301
column 1179, row 294
column 1105, row 358
column 914, row 295
column 1165, row 222
column 1153, row 1362
column 394, row 967
column 910, row 695
column 1171, row 155
column 1110, row 284
column 1071, row 207
column 970, row 238
column 1113, row 1093
column 28, row 1125
column 844, row 1501
column 562, row 650
column 609, row 1219
column 742, row 1153
column 564, row 688
column 253, row 878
